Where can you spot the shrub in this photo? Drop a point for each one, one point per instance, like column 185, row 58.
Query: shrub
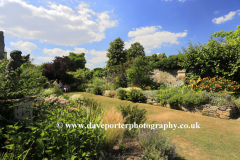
column 135, row 95
column 38, row 140
column 58, row 91
column 82, row 87
column 89, row 90
column 150, row 93
column 122, row 94
column 140, row 75
column 48, row 92
column 113, row 94
column 55, row 90
column 117, row 90
column 107, row 86
column 97, row 90
column 192, row 98
column 156, row 145
column 113, row 134
column 133, row 114
column 108, row 93
column 98, row 82
column 218, row 99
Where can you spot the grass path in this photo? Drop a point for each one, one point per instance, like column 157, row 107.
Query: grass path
column 216, row 139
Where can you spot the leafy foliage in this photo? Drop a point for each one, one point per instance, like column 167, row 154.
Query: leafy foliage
column 213, row 59
column 217, row 85
column 97, row 90
column 133, row 114
column 156, row 145
column 78, row 60
column 115, row 53
column 139, row 72
column 45, row 141
column 172, row 62
column 135, row 95
column 135, row 50
column 122, row 94
column 59, row 68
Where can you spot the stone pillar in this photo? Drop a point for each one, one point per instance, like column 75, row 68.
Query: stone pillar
column 2, row 46
column 181, row 73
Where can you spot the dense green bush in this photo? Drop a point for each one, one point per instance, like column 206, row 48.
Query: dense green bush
column 42, row 139
column 140, row 75
column 135, row 95
column 156, row 145
column 133, row 114
column 82, row 87
column 97, row 90
column 122, row 94
column 172, row 62
column 213, row 59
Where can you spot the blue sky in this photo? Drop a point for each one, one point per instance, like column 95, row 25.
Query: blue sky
column 45, row 29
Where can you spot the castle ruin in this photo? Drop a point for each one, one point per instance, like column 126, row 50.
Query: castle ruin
column 2, row 46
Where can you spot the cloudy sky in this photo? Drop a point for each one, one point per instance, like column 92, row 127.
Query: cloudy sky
column 45, row 29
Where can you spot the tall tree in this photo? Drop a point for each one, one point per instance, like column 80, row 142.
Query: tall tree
column 78, row 59
column 115, row 53
column 58, row 69
column 135, row 50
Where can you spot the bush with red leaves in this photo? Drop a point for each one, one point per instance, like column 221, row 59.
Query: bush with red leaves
column 58, row 68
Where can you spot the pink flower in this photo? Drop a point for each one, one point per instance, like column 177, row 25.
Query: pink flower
column 55, row 103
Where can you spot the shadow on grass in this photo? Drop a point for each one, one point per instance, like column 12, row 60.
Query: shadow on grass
column 179, row 158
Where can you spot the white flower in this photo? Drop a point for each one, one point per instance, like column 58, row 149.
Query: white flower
column 76, row 97
column 48, row 91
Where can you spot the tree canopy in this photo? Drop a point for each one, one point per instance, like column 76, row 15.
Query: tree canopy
column 115, row 53
column 135, row 50
column 78, row 59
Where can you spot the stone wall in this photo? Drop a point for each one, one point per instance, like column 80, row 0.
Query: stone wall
column 225, row 112
column 168, row 76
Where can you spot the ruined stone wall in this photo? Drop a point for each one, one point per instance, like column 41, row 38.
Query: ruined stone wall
column 168, row 76
column 2, row 46
column 223, row 112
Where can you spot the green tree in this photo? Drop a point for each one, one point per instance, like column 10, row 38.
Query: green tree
column 135, row 50
column 140, row 71
column 78, row 59
column 230, row 37
column 115, row 53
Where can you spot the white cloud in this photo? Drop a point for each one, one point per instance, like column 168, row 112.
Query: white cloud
column 100, row 57
column 56, row 52
column 45, row 59
column 150, row 38
column 57, row 24
column 24, row 46
column 216, row 12
column 89, row 66
column 8, row 50
column 143, row 31
column 225, row 18
column 181, row 0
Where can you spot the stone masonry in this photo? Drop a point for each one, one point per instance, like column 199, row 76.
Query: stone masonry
column 168, row 76
column 224, row 112
column 2, row 46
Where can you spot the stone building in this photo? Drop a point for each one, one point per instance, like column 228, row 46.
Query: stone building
column 2, row 46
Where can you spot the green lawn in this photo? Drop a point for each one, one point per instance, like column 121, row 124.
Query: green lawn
column 216, row 138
